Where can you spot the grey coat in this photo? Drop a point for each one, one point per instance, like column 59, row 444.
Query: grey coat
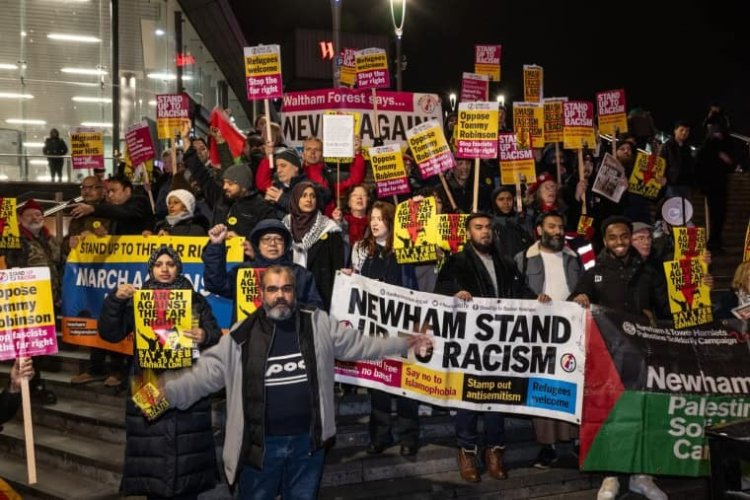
column 531, row 265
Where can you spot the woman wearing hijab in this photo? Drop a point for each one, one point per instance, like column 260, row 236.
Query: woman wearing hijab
column 373, row 257
column 180, row 219
column 173, row 456
column 317, row 242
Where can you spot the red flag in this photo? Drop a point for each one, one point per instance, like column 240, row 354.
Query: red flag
column 235, row 139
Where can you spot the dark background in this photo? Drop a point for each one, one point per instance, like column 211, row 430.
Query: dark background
column 672, row 58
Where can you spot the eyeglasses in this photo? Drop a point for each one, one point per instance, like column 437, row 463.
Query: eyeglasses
column 272, row 240
column 276, row 289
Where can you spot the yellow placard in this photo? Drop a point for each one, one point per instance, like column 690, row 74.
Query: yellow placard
column 648, row 171
column 429, row 148
column 452, row 232
column 262, row 64
column 689, row 296
column 610, row 123
column 10, row 234
column 533, row 83
column 370, row 60
column 119, row 249
column 427, row 382
column 528, row 121
column 515, row 162
column 150, row 400
column 415, row 235
column 348, row 70
column 248, row 299
column 553, row 120
column 161, row 318
column 387, row 163
column 689, row 242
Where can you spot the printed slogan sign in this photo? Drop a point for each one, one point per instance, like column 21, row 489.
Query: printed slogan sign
column 248, row 291
column 515, row 356
column 452, row 232
column 612, row 112
column 474, row 87
column 554, row 119
column 528, row 124
column 578, row 125
column 263, row 72
column 689, row 296
column 415, row 235
column 650, row 392
column 372, row 68
column 689, row 242
column 161, row 319
column 515, row 163
column 140, row 145
column 389, row 171
column 430, row 149
column 172, row 110
column 533, row 83
column 10, row 234
column 86, row 147
column 476, row 130
column 27, row 315
column 487, row 61
column 348, row 73
column 646, row 175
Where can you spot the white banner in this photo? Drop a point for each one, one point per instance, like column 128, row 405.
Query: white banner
column 504, row 355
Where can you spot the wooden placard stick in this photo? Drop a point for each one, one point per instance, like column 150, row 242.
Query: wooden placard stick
column 475, row 204
column 557, row 163
column 519, row 197
column 447, row 191
column 28, row 430
column 147, row 185
column 581, row 170
column 338, row 183
column 614, row 141
column 375, row 124
column 269, row 137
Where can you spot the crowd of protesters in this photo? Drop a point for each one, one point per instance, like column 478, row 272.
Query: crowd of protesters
column 307, row 223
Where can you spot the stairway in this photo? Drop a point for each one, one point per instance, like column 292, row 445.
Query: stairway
column 80, row 449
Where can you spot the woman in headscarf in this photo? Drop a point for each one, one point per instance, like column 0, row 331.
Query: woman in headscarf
column 180, row 219
column 373, row 257
column 317, row 241
column 173, row 456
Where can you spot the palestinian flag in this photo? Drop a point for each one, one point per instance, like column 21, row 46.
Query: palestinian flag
column 235, row 139
column 651, row 391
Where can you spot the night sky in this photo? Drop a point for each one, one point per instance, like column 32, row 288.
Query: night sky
column 674, row 62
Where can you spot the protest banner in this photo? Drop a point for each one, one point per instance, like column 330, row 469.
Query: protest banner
column 513, row 356
column 96, row 266
column 372, row 68
column 161, row 318
column 357, row 128
column 302, row 112
column 86, row 147
column 610, row 179
column 487, row 61
column 452, row 232
column 515, row 163
column 578, row 125
column 172, row 111
column 10, row 232
column 415, row 231
column 533, row 83
column 139, row 143
column 263, row 72
column 528, row 124
column 554, row 119
column 612, row 112
column 650, row 392
column 474, row 87
column 689, row 242
column 646, row 175
column 248, row 298
column 348, row 72
column 430, row 149
column 476, row 130
column 689, row 296
column 338, row 136
column 389, row 171
column 27, row 329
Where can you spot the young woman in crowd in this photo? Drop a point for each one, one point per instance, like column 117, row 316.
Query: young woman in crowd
column 353, row 220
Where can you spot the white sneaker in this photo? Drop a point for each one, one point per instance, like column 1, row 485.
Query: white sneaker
column 610, row 488
column 644, row 485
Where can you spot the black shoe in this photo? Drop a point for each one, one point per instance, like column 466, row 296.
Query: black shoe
column 547, row 456
column 408, row 451
column 375, row 449
column 42, row 396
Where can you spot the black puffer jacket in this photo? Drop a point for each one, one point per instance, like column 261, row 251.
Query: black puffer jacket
column 174, row 455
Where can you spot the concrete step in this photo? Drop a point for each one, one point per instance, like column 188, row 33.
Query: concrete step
column 64, row 361
column 84, row 418
column 71, row 453
column 53, row 483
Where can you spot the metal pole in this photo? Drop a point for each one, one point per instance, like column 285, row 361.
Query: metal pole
column 398, row 63
column 115, row 43
column 398, row 28
column 336, row 13
column 178, row 49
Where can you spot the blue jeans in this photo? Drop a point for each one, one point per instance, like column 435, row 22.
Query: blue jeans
column 289, row 468
column 467, row 434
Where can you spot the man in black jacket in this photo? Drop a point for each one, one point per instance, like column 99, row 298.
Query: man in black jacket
column 480, row 271
column 680, row 163
column 128, row 213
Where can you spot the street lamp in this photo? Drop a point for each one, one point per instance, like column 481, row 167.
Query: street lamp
column 398, row 28
column 501, row 100
column 452, row 98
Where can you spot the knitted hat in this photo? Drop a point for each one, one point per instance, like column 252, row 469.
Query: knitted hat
column 288, row 154
column 240, row 174
column 185, row 197
column 30, row 204
column 541, row 179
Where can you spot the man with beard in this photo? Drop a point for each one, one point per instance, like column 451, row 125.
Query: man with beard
column 277, row 367
column 480, row 271
column 621, row 280
column 552, row 270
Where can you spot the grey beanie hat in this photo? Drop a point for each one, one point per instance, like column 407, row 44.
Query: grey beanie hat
column 288, row 154
column 241, row 174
